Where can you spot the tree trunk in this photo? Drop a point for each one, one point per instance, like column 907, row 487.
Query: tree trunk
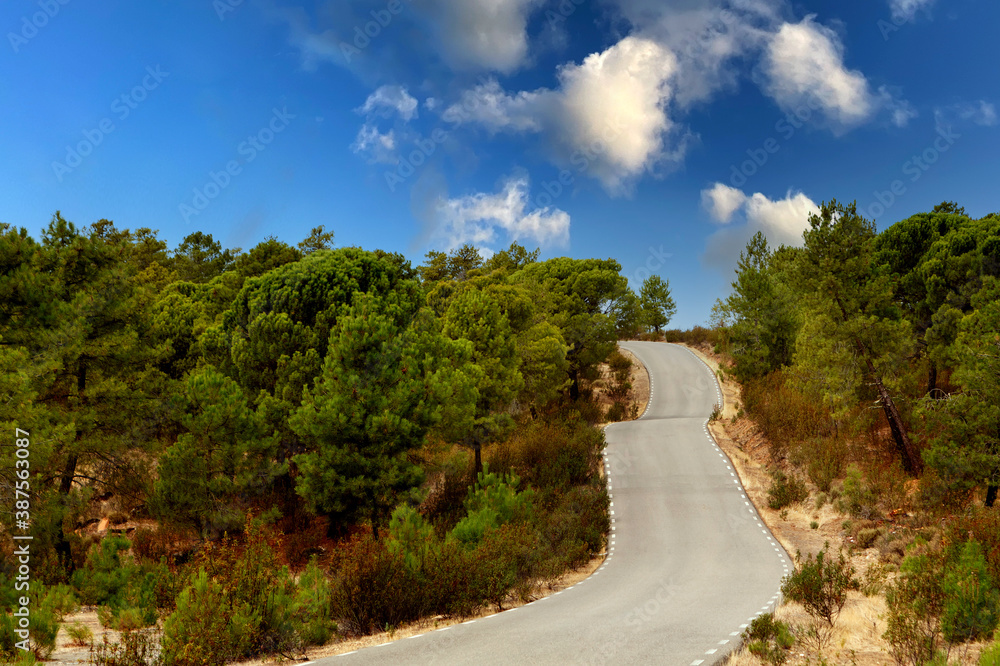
column 375, row 515
column 64, row 553
column 574, row 388
column 991, row 496
column 478, row 448
column 911, row 459
column 931, row 380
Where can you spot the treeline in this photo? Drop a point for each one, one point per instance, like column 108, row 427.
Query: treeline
column 871, row 362
column 425, row 429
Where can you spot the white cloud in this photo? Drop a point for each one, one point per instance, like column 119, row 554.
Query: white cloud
column 906, row 10
column 804, row 66
column 722, row 201
column 489, row 105
column 607, row 117
column 901, row 111
column 387, row 99
column 481, row 34
column 478, row 217
column 708, row 37
column 782, row 222
column 981, row 113
column 376, row 147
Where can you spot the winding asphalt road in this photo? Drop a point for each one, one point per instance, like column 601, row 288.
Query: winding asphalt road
column 689, row 561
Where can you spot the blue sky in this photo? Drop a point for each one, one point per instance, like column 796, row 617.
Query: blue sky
column 659, row 133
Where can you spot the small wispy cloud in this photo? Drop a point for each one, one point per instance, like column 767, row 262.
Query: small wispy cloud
column 389, row 98
column 479, row 218
column 906, row 10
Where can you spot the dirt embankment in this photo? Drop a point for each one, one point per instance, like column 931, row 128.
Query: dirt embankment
column 857, row 635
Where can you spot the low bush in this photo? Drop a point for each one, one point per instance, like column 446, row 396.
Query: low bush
column 867, row 537
column 617, row 411
column 550, row 455
column 694, row 336
column 253, row 603
column 825, row 462
column 134, row 648
column 915, row 603
column 373, row 588
column 855, row 497
column 971, row 596
column 785, row 490
column 105, row 577
column 79, row 634
column 768, row 639
column 784, row 415
column 311, row 607
column 820, row 584
column 203, row 629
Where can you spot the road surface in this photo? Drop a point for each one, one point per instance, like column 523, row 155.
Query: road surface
column 689, row 563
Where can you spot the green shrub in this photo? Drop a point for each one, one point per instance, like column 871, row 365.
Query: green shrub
column 856, row 498
column 495, row 501
column 45, row 618
column 104, row 577
column 971, row 596
column 866, row 537
column 617, row 411
column 820, row 584
column 61, row 599
column 410, row 535
column 201, row 631
column 785, row 490
column 311, row 608
column 768, row 639
column 813, row 525
column 250, row 595
column 990, row 656
column 826, row 461
column 980, row 524
column 915, row 603
column 79, row 634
